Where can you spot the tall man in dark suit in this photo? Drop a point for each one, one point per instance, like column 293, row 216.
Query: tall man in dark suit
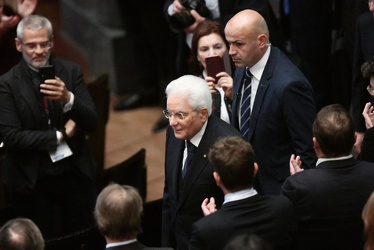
column 118, row 213
column 188, row 175
column 244, row 211
column 279, row 105
column 43, row 125
column 329, row 199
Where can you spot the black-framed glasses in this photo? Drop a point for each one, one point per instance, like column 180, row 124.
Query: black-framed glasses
column 33, row 46
column 178, row 115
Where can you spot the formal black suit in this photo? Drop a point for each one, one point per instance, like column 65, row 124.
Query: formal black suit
column 281, row 120
column 328, row 201
column 182, row 199
column 363, row 51
column 27, row 167
column 270, row 217
column 135, row 246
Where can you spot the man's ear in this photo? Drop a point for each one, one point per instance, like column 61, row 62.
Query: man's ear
column 255, row 169
column 18, row 44
column 217, row 178
column 262, row 40
column 315, row 143
column 52, row 42
column 203, row 114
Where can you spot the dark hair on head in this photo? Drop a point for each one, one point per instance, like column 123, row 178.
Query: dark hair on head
column 367, row 68
column 204, row 28
column 233, row 159
column 334, row 131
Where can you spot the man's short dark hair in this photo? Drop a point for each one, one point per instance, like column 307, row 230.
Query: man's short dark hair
column 334, row 130
column 233, row 159
column 21, row 234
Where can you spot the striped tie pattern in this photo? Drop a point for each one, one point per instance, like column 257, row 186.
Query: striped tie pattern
column 245, row 110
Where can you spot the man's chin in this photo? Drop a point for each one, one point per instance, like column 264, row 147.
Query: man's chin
column 38, row 64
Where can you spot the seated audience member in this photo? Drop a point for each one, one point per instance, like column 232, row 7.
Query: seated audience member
column 368, row 218
column 243, row 211
column 367, row 146
column 329, row 198
column 247, row 242
column 118, row 214
column 209, row 40
column 21, row 234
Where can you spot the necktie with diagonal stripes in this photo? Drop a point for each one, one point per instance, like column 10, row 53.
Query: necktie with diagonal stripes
column 245, row 110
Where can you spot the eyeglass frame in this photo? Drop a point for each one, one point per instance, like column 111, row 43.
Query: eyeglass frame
column 31, row 47
column 370, row 1
column 180, row 116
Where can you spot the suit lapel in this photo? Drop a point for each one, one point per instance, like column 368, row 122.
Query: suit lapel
column 199, row 162
column 263, row 86
column 28, row 92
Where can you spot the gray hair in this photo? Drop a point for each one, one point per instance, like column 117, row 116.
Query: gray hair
column 194, row 88
column 33, row 22
column 21, row 234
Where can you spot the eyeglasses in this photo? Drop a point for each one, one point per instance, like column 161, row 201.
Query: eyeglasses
column 33, row 46
column 370, row 89
column 370, row 1
column 178, row 116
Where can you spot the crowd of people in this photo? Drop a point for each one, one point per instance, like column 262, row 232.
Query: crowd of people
column 258, row 155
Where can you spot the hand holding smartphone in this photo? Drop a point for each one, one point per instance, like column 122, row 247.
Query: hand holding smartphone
column 46, row 72
column 214, row 65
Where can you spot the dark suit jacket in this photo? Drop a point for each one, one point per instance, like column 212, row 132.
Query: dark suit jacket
column 328, row 201
column 182, row 203
column 270, row 217
column 23, row 125
column 281, row 121
column 363, row 51
column 135, row 246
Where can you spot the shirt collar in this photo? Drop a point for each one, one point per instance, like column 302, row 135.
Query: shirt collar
column 126, row 242
column 320, row 160
column 240, row 195
column 197, row 138
column 259, row 67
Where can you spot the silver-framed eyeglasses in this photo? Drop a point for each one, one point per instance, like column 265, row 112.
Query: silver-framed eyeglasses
column 370, row 89
column 33, row 46
column 178, row 115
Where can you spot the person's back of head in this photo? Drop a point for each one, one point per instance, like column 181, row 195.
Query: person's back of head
column 21, row 234
column 334, row 131
column 118, row 212
column 368, row 218
column 233, row 160
column 247, row 242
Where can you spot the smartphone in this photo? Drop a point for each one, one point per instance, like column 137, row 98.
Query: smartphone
column 47, row 72
column 214, row 65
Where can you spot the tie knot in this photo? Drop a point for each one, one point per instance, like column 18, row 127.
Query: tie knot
column 248, row 72
column 190, row 147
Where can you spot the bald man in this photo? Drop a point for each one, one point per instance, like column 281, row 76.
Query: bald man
column 280, row 98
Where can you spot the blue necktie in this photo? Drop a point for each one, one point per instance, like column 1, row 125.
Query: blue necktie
column 190, row 153
column 245, row 110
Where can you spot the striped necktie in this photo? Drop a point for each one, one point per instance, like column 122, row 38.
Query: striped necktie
column 245, row 110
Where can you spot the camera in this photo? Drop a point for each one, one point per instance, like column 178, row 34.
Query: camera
column 180, row 21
